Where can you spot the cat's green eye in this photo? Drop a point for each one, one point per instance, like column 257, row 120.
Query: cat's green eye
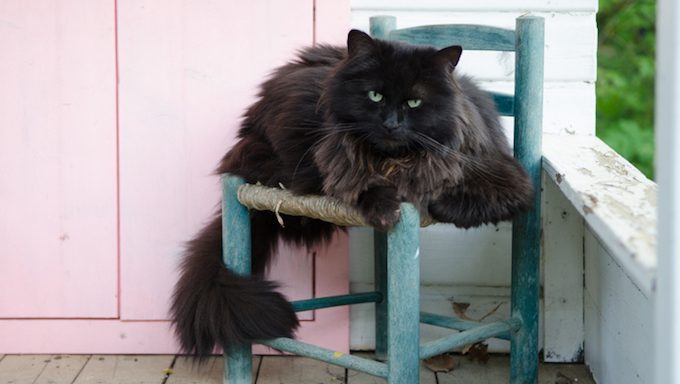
column 375, row 96
column 414, row 103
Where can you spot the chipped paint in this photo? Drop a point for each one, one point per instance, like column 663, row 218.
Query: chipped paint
column 559, row 178
column 617, row 201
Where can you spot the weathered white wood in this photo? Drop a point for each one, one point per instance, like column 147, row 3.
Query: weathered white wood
column 125, row 369
column 486, row 303
column 618, row 319
column 450, row 256
column 562, row 277
column 569, row 107
column 22, row 369
column 298, row 370
column 62, row 369
column 667, row 122
column 487, row 5
column 617, row 201
column 497, row 370
column 183, row 371
column 570, row 41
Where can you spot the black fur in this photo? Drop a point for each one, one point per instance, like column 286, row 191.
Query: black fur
column 315, row 130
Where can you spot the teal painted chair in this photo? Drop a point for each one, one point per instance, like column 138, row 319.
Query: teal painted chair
column 397, row 280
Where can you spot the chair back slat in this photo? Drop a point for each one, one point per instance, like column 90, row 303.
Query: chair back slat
column 505, row 104
column 470, row 37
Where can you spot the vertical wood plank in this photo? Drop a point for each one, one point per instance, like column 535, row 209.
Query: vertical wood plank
column 58, row 159
column 667, row 299
column 187, row 72
column 563, row 277
column 332, row 19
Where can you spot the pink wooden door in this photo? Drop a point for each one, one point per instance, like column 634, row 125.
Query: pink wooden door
column 58, row 238
column 107, row 180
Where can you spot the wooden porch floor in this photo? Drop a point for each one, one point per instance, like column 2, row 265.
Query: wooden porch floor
column 169, row 369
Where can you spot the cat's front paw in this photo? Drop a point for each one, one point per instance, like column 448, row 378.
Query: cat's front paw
column 380, row 207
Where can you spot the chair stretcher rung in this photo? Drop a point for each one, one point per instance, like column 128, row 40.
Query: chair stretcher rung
column 334, row 301
column 454, row 323
column 345, row 360
column 445, row 344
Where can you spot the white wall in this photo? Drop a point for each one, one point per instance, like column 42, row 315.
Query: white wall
column 473, row 266
column 619, row 338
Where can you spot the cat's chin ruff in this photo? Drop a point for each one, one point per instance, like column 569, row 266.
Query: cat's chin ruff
column 350, row 168
column 214, row 307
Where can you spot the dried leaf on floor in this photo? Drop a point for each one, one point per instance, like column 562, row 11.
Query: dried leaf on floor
column 478, row 351
column 441, row 363
column 460, row 308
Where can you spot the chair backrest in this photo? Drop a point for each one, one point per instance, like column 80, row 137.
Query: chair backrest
column 526, row 105
column 470, row 37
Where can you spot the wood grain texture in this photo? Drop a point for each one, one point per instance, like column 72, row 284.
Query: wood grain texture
column 403, row 297
column 125, row 369
column 619, row 315
column 58, row 160
column 616, row 200
column 526, row 227
column 570, row 45
column 562, row 253
column 22, row 369
column 62, row 369
column 285, row 370
column 426, row 376
column 183, row 89
column 186, row 371
column 471, row 37
column 487, row 6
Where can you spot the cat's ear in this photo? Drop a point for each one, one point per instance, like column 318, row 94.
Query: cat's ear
column 449, row 55
column 359, row 42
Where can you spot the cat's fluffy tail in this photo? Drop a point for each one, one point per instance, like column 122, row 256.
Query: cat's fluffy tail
column 212, row 306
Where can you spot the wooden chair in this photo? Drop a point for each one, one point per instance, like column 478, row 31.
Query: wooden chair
column 397, row 281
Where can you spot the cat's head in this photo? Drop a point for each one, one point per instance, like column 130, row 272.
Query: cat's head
column 393, row 96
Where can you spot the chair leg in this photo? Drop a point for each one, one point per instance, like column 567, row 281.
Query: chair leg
column 526, row 228
column 238, row 365
column 403, row 291
column 524, row 306
column 236, row 248
column 380, row 282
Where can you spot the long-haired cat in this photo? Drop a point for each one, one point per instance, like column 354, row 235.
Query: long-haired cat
column 374, row 124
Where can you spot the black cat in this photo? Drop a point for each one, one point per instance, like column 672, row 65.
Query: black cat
column 375, row 124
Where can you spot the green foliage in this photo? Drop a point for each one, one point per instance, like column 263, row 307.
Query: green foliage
column 625, row 79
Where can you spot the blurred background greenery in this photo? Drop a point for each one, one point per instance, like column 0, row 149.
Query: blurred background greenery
column 625, row 79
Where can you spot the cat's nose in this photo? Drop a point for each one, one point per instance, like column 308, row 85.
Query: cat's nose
column 391, row 122
column 390, row 126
